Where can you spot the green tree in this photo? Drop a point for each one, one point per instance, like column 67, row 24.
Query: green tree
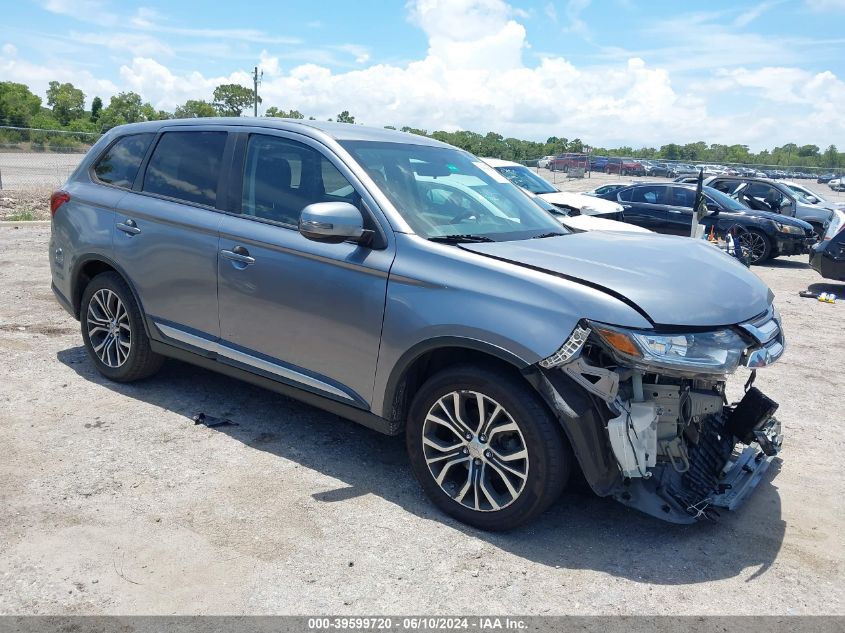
column 290, row 114
column 67, row 101
column 126, row 107
column 194, row 109
column 96, row 109
column 831, row 156
column 345, row 117
column 808, row 150
column 17, row 104
column 233, row 99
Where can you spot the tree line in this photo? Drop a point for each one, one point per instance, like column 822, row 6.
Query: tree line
column 65, row 113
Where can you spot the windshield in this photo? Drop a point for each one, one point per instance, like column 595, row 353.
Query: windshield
column 724, row 200
column 805, row 195
column 441, row 191
column 527, row 179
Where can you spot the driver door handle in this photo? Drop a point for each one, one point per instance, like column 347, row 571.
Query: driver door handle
column 238, row 254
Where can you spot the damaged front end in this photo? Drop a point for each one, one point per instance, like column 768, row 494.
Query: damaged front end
column 648, row 417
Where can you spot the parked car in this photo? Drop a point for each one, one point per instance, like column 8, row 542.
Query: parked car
column 579, row 223
column 837, row 184
column 573, row 203
column 543, row 163
column 655, row 168
column 826, row 178
column 808, row 196
column 668, row 208
column 569, row 162
column 828, row 256
column 624, row 167
column 317, row 259
column 686, row 179
column 683, row 169
column 775, row 196
column 598, row 163
column 607, row 188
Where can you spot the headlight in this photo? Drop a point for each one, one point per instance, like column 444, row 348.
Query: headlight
column 786, row 228
column 693, row 353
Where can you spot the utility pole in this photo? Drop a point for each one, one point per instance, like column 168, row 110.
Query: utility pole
column 256, row 79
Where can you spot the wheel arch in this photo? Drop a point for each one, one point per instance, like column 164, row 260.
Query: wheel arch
column 426, row 358
column 86, row 269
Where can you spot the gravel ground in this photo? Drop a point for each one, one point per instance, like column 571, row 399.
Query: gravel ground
column 114, row 502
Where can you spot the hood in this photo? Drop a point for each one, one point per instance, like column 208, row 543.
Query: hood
column 598, row 223
column 776, row 217
column 588, row 205
column 675, row 281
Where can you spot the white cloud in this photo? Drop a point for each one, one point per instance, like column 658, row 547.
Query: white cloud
column 826, row 5
column 474, row 76
column 747, row 17
column 576, row 24
column 9, row 50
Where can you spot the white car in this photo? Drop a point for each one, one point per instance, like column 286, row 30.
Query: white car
column 523, row 177
column 837, row 184
column 466, row 192
column 811, row 197
column 544, row 162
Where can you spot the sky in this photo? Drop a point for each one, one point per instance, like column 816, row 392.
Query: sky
column 610, row 72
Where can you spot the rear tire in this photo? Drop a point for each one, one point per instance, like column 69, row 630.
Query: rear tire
column 113, row 330
column 485, row 448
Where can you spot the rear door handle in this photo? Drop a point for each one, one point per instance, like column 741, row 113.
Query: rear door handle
column 239, row 255
column 129, row 227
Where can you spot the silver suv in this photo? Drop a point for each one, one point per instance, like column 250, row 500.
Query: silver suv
column 406, row 285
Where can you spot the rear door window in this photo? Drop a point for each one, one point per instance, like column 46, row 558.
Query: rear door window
column 186, row 166
column 651, row 195
column 119, row 165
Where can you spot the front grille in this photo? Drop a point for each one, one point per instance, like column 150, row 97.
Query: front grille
column 771, row 343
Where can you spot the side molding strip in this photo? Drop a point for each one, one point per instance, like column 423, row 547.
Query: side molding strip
column 252, row 361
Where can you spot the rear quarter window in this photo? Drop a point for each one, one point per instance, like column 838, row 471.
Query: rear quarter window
column 186, row 166
column 119, row 165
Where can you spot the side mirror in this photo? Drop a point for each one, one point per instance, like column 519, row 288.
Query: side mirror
column 712, row 207
column 786, row 207
column 331, row 222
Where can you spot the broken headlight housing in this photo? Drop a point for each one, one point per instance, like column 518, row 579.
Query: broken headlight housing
column 687, row 353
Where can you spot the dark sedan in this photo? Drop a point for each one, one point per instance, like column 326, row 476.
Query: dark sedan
column 828, row 256
column 667, row 208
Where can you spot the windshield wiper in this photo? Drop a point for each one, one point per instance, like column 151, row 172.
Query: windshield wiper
column 552, row 234
column 457, row 239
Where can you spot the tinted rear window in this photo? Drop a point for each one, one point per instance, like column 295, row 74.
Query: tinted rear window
column 119, row 165
column 186, row 165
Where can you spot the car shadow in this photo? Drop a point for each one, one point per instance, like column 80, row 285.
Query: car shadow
column 828, row 286
column 580, row 531
column 786, row 263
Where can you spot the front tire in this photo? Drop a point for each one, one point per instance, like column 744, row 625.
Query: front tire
column 485, row 449
column 756, row 246
column 113, row 330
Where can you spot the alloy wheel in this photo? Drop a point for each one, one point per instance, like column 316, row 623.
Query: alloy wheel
column 108, row 328
column 754, row 245
column 475, row 451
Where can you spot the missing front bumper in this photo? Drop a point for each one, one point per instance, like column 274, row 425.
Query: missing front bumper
column 694, row 495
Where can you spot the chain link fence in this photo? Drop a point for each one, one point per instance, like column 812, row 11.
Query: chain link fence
column 35, row 159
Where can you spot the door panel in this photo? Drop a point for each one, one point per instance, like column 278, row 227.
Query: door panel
column 646, row 207
column 307, row 308
column 171, row 257
column 311, row 306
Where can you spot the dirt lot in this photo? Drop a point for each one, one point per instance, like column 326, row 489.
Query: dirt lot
column 115, row 502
